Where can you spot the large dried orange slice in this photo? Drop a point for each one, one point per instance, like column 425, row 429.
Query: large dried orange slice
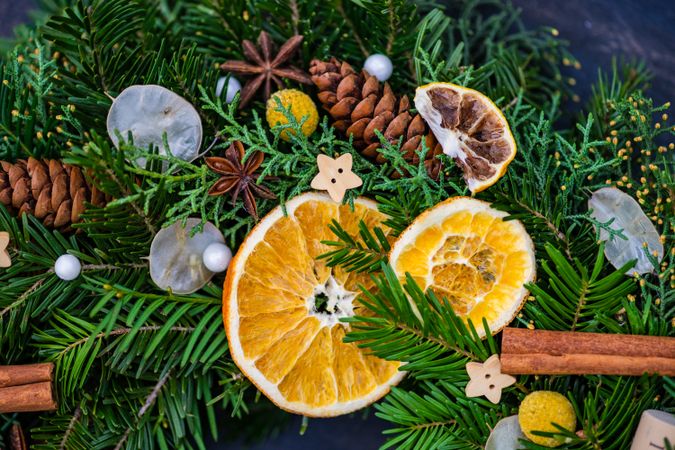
column 282, row 307
column 470, row 128
column 465, row 251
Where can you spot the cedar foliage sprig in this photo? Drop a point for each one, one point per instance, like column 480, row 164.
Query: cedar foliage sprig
column 294, row 166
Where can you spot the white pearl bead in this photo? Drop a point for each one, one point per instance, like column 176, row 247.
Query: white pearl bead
column 379, row 65
column 233, row 86
column 67, row 267
column 217, row 257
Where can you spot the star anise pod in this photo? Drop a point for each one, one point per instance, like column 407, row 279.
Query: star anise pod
column 239, row 178
column 265, row 66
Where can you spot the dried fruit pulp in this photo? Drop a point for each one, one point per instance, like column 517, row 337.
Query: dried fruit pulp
column 470, row 128
column 282, row 308
column 464, row 251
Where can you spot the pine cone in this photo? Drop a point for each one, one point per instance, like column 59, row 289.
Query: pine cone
column 48, row 189
column 359, row 104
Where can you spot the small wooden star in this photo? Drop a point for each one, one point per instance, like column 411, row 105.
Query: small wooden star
column 5, row 260
column 487, row 379
column 335, row 176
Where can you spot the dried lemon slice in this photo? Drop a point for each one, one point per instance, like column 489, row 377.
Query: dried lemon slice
column 282, row 307
column 465, row 251
column 470, row 128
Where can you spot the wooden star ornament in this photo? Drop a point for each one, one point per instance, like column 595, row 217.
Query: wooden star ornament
column 487, row 379
column 5, row 260
column 335, row 176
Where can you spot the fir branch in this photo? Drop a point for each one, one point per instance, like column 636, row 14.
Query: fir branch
column 418, row 328
column 340, row 8
column 440, row 342
column 610, row 408
column 295, row 15
column 97, row 39
column 401, row 209
column 393, row 28
column 27, row 122
column 19, row 301
column 439, row 416
column 472, row 50
column 550, row 225
column 578, row 297
column 149, row 402
column 357, row 255
column 71, row 426
column 626, row 78
column 214, row 26
column 98, row 267
column 120, row 332
column 109, row 170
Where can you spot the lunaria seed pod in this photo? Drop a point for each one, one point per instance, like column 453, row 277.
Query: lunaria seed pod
column 641, row 235
column 149, row 112
column 176, row 257
column 505, row 435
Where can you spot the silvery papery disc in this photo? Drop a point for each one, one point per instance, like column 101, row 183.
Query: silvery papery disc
column 149, row 111
column 176, row 258
column 611, row 203
column 505, row 435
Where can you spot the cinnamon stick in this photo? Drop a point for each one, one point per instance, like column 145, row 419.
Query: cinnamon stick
column 27, row 398
column 17, row 440
column 25, row 374
column 526, row 352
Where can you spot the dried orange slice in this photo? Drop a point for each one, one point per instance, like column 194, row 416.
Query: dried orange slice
column 465, row 251
column 470, row 128
column 282, row 307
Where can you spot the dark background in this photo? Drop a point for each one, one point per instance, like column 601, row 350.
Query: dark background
column 597, row 30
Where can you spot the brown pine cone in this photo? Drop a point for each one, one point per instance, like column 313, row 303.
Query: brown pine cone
column 359, row 104
column 52, row 191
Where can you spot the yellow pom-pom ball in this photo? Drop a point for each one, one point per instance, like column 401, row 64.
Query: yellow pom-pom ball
column 539, row 410
column 300, row 106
